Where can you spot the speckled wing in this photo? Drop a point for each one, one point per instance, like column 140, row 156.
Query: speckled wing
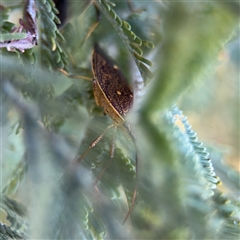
column 112, row 82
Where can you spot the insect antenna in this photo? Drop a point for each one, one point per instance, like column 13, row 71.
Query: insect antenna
column 94, row 26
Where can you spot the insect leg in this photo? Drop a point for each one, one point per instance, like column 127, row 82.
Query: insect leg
column 74, row 76
column 93, row 144
column 111, row 157
column 93, row 27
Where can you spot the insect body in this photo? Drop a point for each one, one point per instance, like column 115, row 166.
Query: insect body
column 111, row 92
column 110, row 87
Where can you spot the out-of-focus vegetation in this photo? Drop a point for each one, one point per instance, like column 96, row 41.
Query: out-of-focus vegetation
column 47, row 119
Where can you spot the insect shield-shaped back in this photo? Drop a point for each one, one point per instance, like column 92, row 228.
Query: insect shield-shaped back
column 110, row 87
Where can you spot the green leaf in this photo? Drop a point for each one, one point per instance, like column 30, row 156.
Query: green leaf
column 12, row 36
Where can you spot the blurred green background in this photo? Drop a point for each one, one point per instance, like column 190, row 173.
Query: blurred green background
column 48, row 118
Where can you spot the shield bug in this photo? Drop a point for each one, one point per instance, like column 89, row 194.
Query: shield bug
column 113, row 94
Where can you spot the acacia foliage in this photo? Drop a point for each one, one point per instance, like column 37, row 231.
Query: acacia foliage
column 46, row 116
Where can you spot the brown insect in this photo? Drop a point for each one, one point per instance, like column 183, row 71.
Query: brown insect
column 110, row 87
column 112, row 93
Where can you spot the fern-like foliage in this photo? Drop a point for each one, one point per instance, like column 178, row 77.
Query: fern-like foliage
column 227, row 210
column 16, row 215
column 16, row 177
column 52, row 119
column 130, row 39
column 199, row 150
column 19, row 38
column 53, row 56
